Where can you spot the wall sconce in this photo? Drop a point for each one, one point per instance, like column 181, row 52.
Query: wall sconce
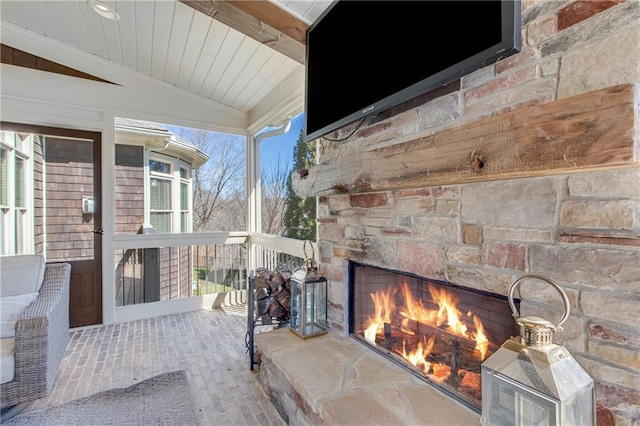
column 88, row 206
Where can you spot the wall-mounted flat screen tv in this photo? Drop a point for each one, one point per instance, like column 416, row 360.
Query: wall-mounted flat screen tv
column 364, row 57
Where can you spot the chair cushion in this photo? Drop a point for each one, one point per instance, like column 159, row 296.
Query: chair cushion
column 7, row 359
column 11, row 308
column 21, row 274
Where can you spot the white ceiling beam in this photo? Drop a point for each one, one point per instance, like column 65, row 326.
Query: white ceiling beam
column 219, row 117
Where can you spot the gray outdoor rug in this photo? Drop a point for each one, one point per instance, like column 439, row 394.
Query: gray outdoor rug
column 165, row 399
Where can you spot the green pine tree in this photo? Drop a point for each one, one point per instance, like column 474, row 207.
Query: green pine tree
column 300, row 214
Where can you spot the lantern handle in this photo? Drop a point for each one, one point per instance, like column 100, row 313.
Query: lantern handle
column 309, row 262
column 565, row 299
column 304, row 250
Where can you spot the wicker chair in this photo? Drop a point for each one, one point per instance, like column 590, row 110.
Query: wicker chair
column 41, row 338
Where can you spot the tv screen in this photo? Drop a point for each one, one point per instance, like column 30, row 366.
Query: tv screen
column 364, row 57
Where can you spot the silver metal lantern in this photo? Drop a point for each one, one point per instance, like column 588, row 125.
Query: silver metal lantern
column 308, row 299
column 531, row 381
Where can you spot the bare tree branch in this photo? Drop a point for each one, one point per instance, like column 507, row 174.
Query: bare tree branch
column 274, row 196
column 219, row 182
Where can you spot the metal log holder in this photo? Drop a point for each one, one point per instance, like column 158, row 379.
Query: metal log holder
column 253, row 322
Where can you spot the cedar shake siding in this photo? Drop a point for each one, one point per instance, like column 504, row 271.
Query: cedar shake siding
column 129, row 189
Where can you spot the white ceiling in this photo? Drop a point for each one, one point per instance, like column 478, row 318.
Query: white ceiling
column 163, row 40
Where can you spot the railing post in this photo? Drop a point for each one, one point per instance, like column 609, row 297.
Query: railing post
column 252, row 255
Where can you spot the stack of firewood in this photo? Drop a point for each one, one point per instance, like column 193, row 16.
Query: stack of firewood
column 273, row 294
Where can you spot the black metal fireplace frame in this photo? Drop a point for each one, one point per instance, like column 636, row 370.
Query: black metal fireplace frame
column 393, row 357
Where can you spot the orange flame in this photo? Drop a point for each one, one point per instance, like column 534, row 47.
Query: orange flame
column 384, row 307
column 446, row 316
column 482, row 342
column 418, row 357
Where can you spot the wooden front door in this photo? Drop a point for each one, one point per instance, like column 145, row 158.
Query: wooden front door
column 67, row 211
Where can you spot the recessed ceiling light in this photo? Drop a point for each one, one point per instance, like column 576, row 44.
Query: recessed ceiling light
column 104, row 10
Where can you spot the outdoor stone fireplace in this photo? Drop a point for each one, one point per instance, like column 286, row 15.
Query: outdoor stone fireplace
column 528, row 166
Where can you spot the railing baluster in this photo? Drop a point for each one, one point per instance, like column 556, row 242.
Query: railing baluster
column 133, row 277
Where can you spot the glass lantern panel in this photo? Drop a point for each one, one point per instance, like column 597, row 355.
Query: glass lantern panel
column 316, row 303
column 506, row 404
column 580, row 410
column 310, row 308
column 314, row 309
column 296, row 300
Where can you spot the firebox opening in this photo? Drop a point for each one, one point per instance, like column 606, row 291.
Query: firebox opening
column 440, row 331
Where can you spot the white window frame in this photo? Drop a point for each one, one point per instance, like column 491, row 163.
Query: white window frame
column 188, row 181
column 174, row 176
column 9, row 211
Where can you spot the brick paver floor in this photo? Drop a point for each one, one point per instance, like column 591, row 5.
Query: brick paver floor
column 208, row 344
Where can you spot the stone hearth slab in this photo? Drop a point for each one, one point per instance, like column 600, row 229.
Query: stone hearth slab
column 334, row 379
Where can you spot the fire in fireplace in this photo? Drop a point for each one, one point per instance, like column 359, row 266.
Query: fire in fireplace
column 440, row 331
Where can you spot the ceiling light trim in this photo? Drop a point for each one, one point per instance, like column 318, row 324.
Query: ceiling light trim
column 104, row 10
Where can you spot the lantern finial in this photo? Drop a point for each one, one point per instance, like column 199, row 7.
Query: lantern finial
column 535, row 331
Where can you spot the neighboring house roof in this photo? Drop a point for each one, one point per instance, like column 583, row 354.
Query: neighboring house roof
column 155, row 136
column 137, row 124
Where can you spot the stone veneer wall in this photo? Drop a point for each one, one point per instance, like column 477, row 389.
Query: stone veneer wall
column 580, row 229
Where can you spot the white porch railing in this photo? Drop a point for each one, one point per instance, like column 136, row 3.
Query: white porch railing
column 184, row 272
column 270, row 251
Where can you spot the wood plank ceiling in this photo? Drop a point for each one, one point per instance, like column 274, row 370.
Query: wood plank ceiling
column 235, row 53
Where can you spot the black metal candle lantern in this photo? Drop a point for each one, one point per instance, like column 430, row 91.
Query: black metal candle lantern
column 308, row 299
column 531, row 381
